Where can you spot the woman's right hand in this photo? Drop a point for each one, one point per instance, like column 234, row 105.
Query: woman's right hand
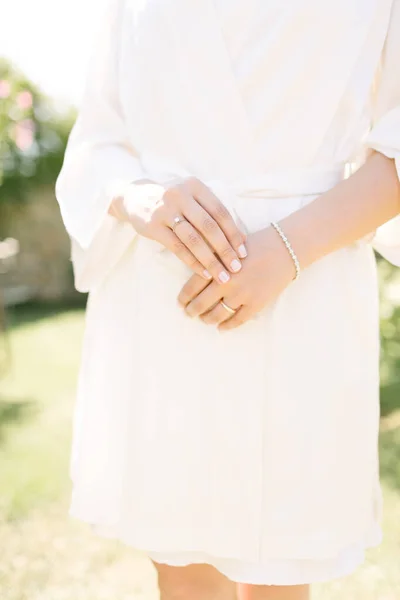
column 205, row 236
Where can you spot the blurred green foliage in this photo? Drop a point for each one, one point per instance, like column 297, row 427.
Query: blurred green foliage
column 33, row 135
column 389, row 277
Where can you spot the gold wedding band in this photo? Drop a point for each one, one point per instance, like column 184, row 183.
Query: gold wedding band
column 230, row 310
column 177, row 220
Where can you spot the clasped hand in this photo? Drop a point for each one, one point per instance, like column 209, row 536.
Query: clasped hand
column 207, row 239
column 265, row 273
column 188, row 219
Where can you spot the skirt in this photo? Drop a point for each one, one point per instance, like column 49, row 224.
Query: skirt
column 276, row 572
column 273, row 572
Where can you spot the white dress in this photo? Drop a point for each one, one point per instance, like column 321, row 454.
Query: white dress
column 236, row 449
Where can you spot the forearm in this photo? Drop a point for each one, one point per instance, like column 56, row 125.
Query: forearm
column 351, row 210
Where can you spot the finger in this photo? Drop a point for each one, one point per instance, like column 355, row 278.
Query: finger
column 213, row 234
column 242, row 315
column 168, row 239
column 194, row 242
column 221, row 215
column 218, row 314
column 204, row 301
column 191, row 289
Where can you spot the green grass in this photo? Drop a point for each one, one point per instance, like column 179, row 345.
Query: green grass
column 35, row 405
column 48, row 556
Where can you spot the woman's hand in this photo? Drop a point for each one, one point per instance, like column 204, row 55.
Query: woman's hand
column 188, row 219
column 265, row 274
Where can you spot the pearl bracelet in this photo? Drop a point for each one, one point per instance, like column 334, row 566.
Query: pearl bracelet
column 289, row 249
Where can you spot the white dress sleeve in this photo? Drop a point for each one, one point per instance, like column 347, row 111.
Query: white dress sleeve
column 385, row 133
column 99, row 159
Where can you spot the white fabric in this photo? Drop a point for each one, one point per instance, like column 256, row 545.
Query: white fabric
column 239, row 445
column 273, row 572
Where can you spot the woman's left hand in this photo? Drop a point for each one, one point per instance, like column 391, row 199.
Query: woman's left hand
column 265, row 273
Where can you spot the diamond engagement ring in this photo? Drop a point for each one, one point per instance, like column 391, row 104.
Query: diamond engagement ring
column 230, row 310
column 177, row 220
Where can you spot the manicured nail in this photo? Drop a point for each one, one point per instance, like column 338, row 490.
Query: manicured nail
column 206, row 274
column 223, row 277
column 242, row 251
column 236, row 265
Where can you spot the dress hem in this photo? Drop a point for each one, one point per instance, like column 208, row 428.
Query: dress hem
column 278, row 572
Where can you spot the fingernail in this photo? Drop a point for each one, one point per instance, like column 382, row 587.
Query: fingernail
column 223, row 277
column 236, row 265
column 206, row 274
column 242, row 251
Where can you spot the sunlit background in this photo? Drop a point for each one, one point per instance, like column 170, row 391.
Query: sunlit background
column 49, row 40
column 44, row 49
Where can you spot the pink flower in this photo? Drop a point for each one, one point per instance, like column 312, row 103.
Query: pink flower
column 23, row 134
column 28, row 124
column 24, row 100
column 5, row 88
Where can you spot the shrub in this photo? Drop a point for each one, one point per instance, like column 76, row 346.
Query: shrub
column 33, row 135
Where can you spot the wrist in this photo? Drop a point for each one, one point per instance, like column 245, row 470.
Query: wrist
column 307, row 234
column 117, row 209
column 126, row 197
column 274, row 250
column 288, row 247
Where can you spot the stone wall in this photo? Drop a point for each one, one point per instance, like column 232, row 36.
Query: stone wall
column 42, row 268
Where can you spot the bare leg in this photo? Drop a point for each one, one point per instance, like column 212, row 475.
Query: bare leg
column 194, row 582
column 266, row 592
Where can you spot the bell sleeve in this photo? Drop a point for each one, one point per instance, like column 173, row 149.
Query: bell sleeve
column 99, row 159
column 384, row 135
